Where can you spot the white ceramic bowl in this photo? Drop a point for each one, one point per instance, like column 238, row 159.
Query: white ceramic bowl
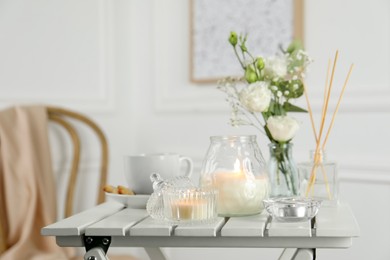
column 130, row 201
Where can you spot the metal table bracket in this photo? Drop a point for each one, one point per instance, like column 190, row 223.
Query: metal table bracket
column 96, row 247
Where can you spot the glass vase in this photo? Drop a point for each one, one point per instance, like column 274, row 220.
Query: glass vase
column 319, row 178
column 283, row 171
column 235, row 167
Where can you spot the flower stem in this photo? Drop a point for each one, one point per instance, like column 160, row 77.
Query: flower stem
column 238, row 57
column 283, row 165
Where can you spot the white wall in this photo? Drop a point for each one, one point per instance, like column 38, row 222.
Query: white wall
column 125, row 63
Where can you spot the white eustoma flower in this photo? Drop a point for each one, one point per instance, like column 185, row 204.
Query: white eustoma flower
column 282, row 128
column 256, row 97
column 276, row 67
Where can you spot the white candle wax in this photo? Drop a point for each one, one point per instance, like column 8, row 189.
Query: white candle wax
column 190, row 205
column 239, row 194
column 189, row 209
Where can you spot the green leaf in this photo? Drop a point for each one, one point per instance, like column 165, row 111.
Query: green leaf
column 271, row 107
column 293, row 108
column 268, row 133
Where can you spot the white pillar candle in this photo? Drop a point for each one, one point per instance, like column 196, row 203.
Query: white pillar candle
column 239, row 194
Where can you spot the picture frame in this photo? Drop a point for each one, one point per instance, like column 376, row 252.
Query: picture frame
column 269, row 25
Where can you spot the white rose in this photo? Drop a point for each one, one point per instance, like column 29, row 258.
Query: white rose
column 256, row 97
column 282, row 128
column 276, row 67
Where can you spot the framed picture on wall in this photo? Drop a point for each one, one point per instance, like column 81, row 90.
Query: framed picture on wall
column 269, row 24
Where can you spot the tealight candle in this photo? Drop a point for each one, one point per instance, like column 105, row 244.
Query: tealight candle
column 189, row 209
column 190, row 205
column 182, row 210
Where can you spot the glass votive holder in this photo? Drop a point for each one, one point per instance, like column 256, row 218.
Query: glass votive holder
column 292, row 209
column 190, row 206
column 235, row 167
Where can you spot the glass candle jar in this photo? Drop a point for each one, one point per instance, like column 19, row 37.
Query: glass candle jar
column 179, row 201
column 190, row 206
column 235, row 167
column 319, row 178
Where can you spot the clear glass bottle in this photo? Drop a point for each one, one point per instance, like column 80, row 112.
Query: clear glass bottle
column 319, row 178
column 282, row 171
column 235, row 167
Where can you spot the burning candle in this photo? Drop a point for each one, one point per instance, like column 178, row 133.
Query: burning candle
column 235, row 167
column 239, row 194
column 189, row 209
column 190, row 205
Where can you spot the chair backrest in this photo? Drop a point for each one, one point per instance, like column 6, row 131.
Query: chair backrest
column 62, row 116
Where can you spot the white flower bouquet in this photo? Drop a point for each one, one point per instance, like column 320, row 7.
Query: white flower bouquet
column 264, row 96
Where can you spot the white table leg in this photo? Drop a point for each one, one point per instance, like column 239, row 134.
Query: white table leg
column 95, row 254
column 287, row 254
column 155, row 253
column 297, row 254
column 304, row 254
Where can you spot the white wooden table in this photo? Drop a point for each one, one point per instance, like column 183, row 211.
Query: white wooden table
column 112, row 225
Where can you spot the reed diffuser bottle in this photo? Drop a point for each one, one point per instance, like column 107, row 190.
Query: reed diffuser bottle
column 319, row 178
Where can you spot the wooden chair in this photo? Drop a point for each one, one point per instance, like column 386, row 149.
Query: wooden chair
column 61, row 116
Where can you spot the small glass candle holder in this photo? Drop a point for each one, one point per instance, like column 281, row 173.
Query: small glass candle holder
column 155, row 204
column 319, row 178
column 190, row 206
column 292, row 209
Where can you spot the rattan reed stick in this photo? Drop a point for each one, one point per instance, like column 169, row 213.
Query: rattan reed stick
column 327, row 94
column 310, row 112
column 337, row 106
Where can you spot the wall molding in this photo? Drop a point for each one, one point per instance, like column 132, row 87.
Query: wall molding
column 100, row 100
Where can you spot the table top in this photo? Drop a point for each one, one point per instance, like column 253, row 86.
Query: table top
column 333, row 227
